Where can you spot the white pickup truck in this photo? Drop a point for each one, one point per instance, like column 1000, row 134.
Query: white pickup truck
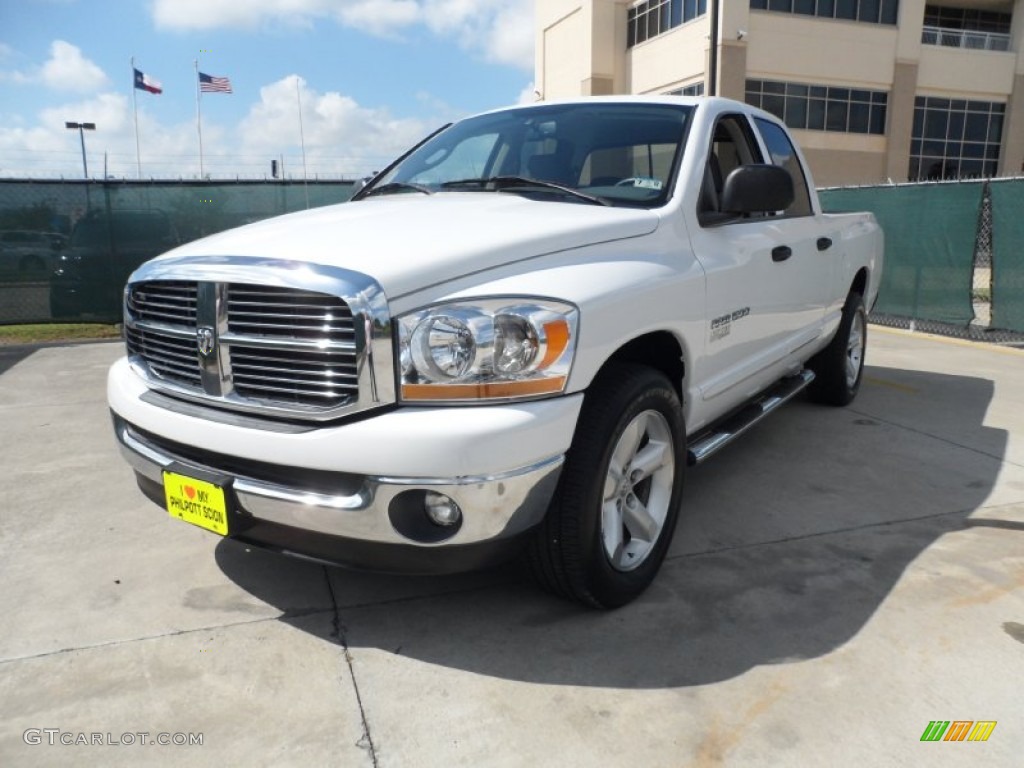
column 512, row 340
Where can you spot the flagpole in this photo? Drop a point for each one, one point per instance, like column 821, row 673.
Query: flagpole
column 302, row 139
column 135, row 111
column 199, row 118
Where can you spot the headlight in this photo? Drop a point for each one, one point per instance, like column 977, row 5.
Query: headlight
column 491, row 349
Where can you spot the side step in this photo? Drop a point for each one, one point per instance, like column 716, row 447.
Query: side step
column 720, row 435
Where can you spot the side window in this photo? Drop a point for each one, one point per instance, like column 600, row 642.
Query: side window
column 784, row 155
column 733, row 145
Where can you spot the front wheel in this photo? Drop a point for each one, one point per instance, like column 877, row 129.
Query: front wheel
column 839, row 367
column 613, row 516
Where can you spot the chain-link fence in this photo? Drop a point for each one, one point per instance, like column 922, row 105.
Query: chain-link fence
column 954, row 256
column 954, row 251
column 67, row 247
column 981, row 281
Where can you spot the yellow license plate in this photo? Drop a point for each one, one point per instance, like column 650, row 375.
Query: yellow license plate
column 196, row 502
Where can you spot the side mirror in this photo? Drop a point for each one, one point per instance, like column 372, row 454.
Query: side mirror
column 757, row 189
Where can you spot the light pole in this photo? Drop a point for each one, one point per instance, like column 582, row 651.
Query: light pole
column 82, row 127
column 713, row 62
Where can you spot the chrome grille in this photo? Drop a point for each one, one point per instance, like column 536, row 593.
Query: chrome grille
column 286, row 312
column 291, row 349
column 319, row 378
column 168, row 356
column 164, row 302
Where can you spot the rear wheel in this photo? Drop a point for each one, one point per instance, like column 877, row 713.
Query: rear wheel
column 839, row 367
column 617, row 503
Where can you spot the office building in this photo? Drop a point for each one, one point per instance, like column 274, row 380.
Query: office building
column 874, row 90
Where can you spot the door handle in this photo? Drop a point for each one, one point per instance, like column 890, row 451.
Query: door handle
column 824, row 243
column 781, row 252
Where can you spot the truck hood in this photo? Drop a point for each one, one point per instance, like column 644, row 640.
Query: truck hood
column 409, row 241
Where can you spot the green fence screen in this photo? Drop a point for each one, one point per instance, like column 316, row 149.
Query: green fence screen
column 1008, row 254
column 67, row 247
column 930, row 232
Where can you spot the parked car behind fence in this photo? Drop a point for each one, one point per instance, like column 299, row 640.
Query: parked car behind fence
column 27, row 252
column 105, row 248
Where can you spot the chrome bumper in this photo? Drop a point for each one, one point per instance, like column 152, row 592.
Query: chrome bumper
column 495, row 507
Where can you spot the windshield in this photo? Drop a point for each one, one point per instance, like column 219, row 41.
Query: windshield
column 616, row 153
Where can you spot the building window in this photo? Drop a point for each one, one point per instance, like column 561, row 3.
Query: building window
column 694, row 89
column 871, row 11
column 966, row 28
column 652, row 17
column 821, row 107
column 955, row 138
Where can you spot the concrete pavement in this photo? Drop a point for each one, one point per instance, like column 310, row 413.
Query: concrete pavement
column 840, row 578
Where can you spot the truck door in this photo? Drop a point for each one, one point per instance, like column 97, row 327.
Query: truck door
column 762, row 305
column 811, row 270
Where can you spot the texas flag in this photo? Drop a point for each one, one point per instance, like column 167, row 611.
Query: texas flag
column 145, row 83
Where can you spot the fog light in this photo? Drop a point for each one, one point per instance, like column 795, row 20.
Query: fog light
column 441, row 509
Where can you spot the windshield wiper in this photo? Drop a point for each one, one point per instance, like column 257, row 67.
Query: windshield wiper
column 398, row 186
column 506, row 182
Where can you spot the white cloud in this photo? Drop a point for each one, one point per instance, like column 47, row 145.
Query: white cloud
column 215, row 14
column 498, row 30
column 108, row 110
column 45, row 148
column 510, row 36
column 528, row 95
column 380, row 17
column 341, row 136
column 66, row 70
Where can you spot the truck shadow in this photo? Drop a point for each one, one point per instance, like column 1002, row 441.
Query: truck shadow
column 791, row 540
column 11, row 356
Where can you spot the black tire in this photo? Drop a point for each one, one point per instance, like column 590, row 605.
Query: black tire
column 569, row 554
column 839, row 368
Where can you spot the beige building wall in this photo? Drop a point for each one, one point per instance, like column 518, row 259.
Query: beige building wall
column 783, row 46
column 843, row 158
column 579, row 48
column 984, row 75
column 1012, row 153
column 582, row 49
column 900, row 119
column 669, row 61
column 792, row 48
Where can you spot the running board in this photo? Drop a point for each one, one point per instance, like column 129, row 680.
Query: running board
column 709, row 443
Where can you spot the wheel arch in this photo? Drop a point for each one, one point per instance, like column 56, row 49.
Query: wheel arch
column 860, row 283
column 661, row 350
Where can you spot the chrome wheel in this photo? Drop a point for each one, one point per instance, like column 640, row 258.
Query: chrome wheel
column 855, row 350
column 637, row 490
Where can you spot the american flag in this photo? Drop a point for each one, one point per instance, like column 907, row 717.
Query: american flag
column 210, row 84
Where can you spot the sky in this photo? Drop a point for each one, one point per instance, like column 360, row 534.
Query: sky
column 372, row 77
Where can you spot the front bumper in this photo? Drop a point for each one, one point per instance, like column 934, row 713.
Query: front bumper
column 333, row 493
